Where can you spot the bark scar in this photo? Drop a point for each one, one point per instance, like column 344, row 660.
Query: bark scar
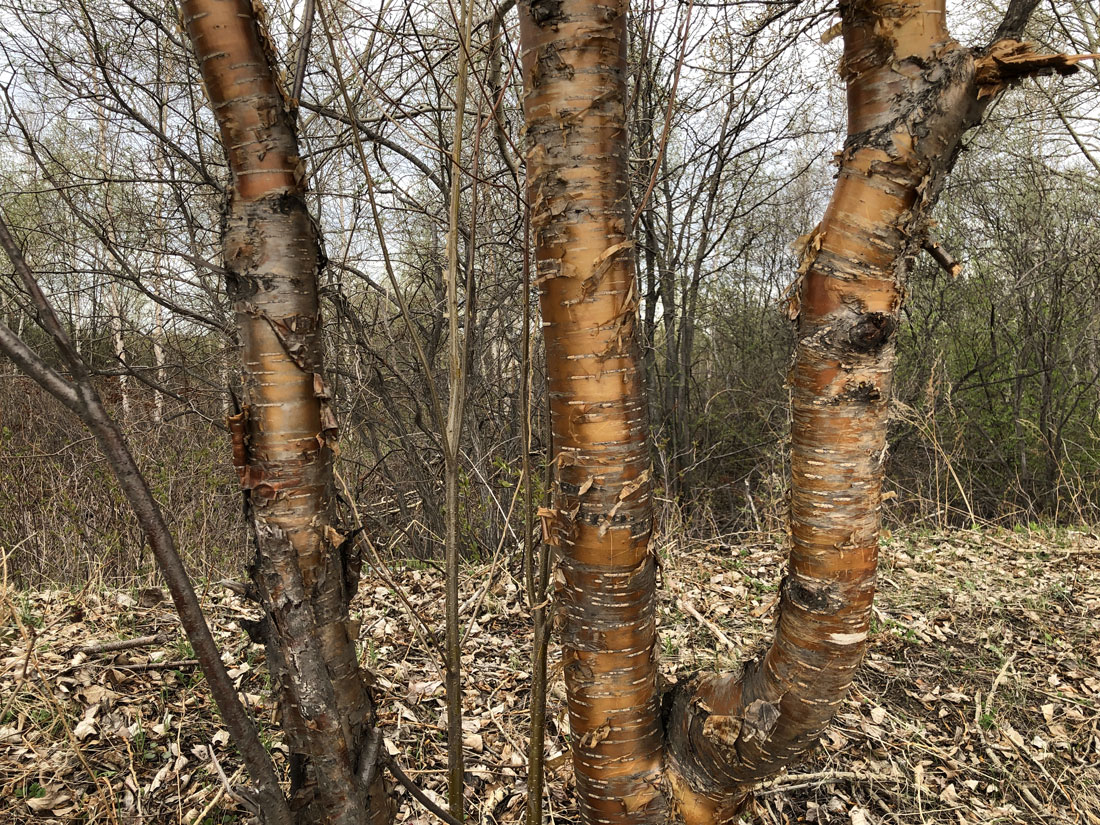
column 871, row 332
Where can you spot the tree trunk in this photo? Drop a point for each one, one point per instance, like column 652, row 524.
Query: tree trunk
column 303, row 574
column 913, row 92
column 574, row 68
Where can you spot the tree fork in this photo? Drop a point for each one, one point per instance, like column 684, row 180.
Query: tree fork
column 913, row 93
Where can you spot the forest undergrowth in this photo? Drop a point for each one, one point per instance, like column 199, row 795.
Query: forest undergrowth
column 979, row 701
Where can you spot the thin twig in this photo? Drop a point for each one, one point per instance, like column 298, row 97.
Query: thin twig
column 795, row 781
column 216, row 799
column 479, row 598
column 689, row 608
column 998, row 681
column 96, row 648
column 668, row 116
column 140, row 667
column 234, row 793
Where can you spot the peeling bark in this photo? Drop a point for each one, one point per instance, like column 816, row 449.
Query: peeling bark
column 283, row 438
column 574, row 68
column 913, row 92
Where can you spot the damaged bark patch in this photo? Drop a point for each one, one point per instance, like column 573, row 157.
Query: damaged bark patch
column 286, row 203
column 760, row 719
column 822, row 599
column 551, row 65
column 546, row 12
column 871, row 332
column 722, row 730
column 860, row 392
column 551, row 199
column 238, row 434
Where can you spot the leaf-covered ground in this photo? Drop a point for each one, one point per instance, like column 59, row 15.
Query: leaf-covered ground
column 979, row 701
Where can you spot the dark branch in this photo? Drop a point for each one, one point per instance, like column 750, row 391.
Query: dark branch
column 303, row 50
column 32, row 364
column 418, row 794
column 1015, row 20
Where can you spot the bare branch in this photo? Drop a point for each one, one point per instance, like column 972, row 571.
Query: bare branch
column 1015, row 20
column 418, row 794
column 303, row 50
column 944, row 258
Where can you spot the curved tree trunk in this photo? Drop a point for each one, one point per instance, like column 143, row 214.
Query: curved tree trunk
column 284, row 433
column 912, row 94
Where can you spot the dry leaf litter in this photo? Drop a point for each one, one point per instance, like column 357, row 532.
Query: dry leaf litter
column 979, row 701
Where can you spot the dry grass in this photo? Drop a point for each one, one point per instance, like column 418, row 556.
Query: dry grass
column 979, row 701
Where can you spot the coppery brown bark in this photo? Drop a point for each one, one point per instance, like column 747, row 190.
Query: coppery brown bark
column 574, row 69
column 913, row 92
column 303, row 575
